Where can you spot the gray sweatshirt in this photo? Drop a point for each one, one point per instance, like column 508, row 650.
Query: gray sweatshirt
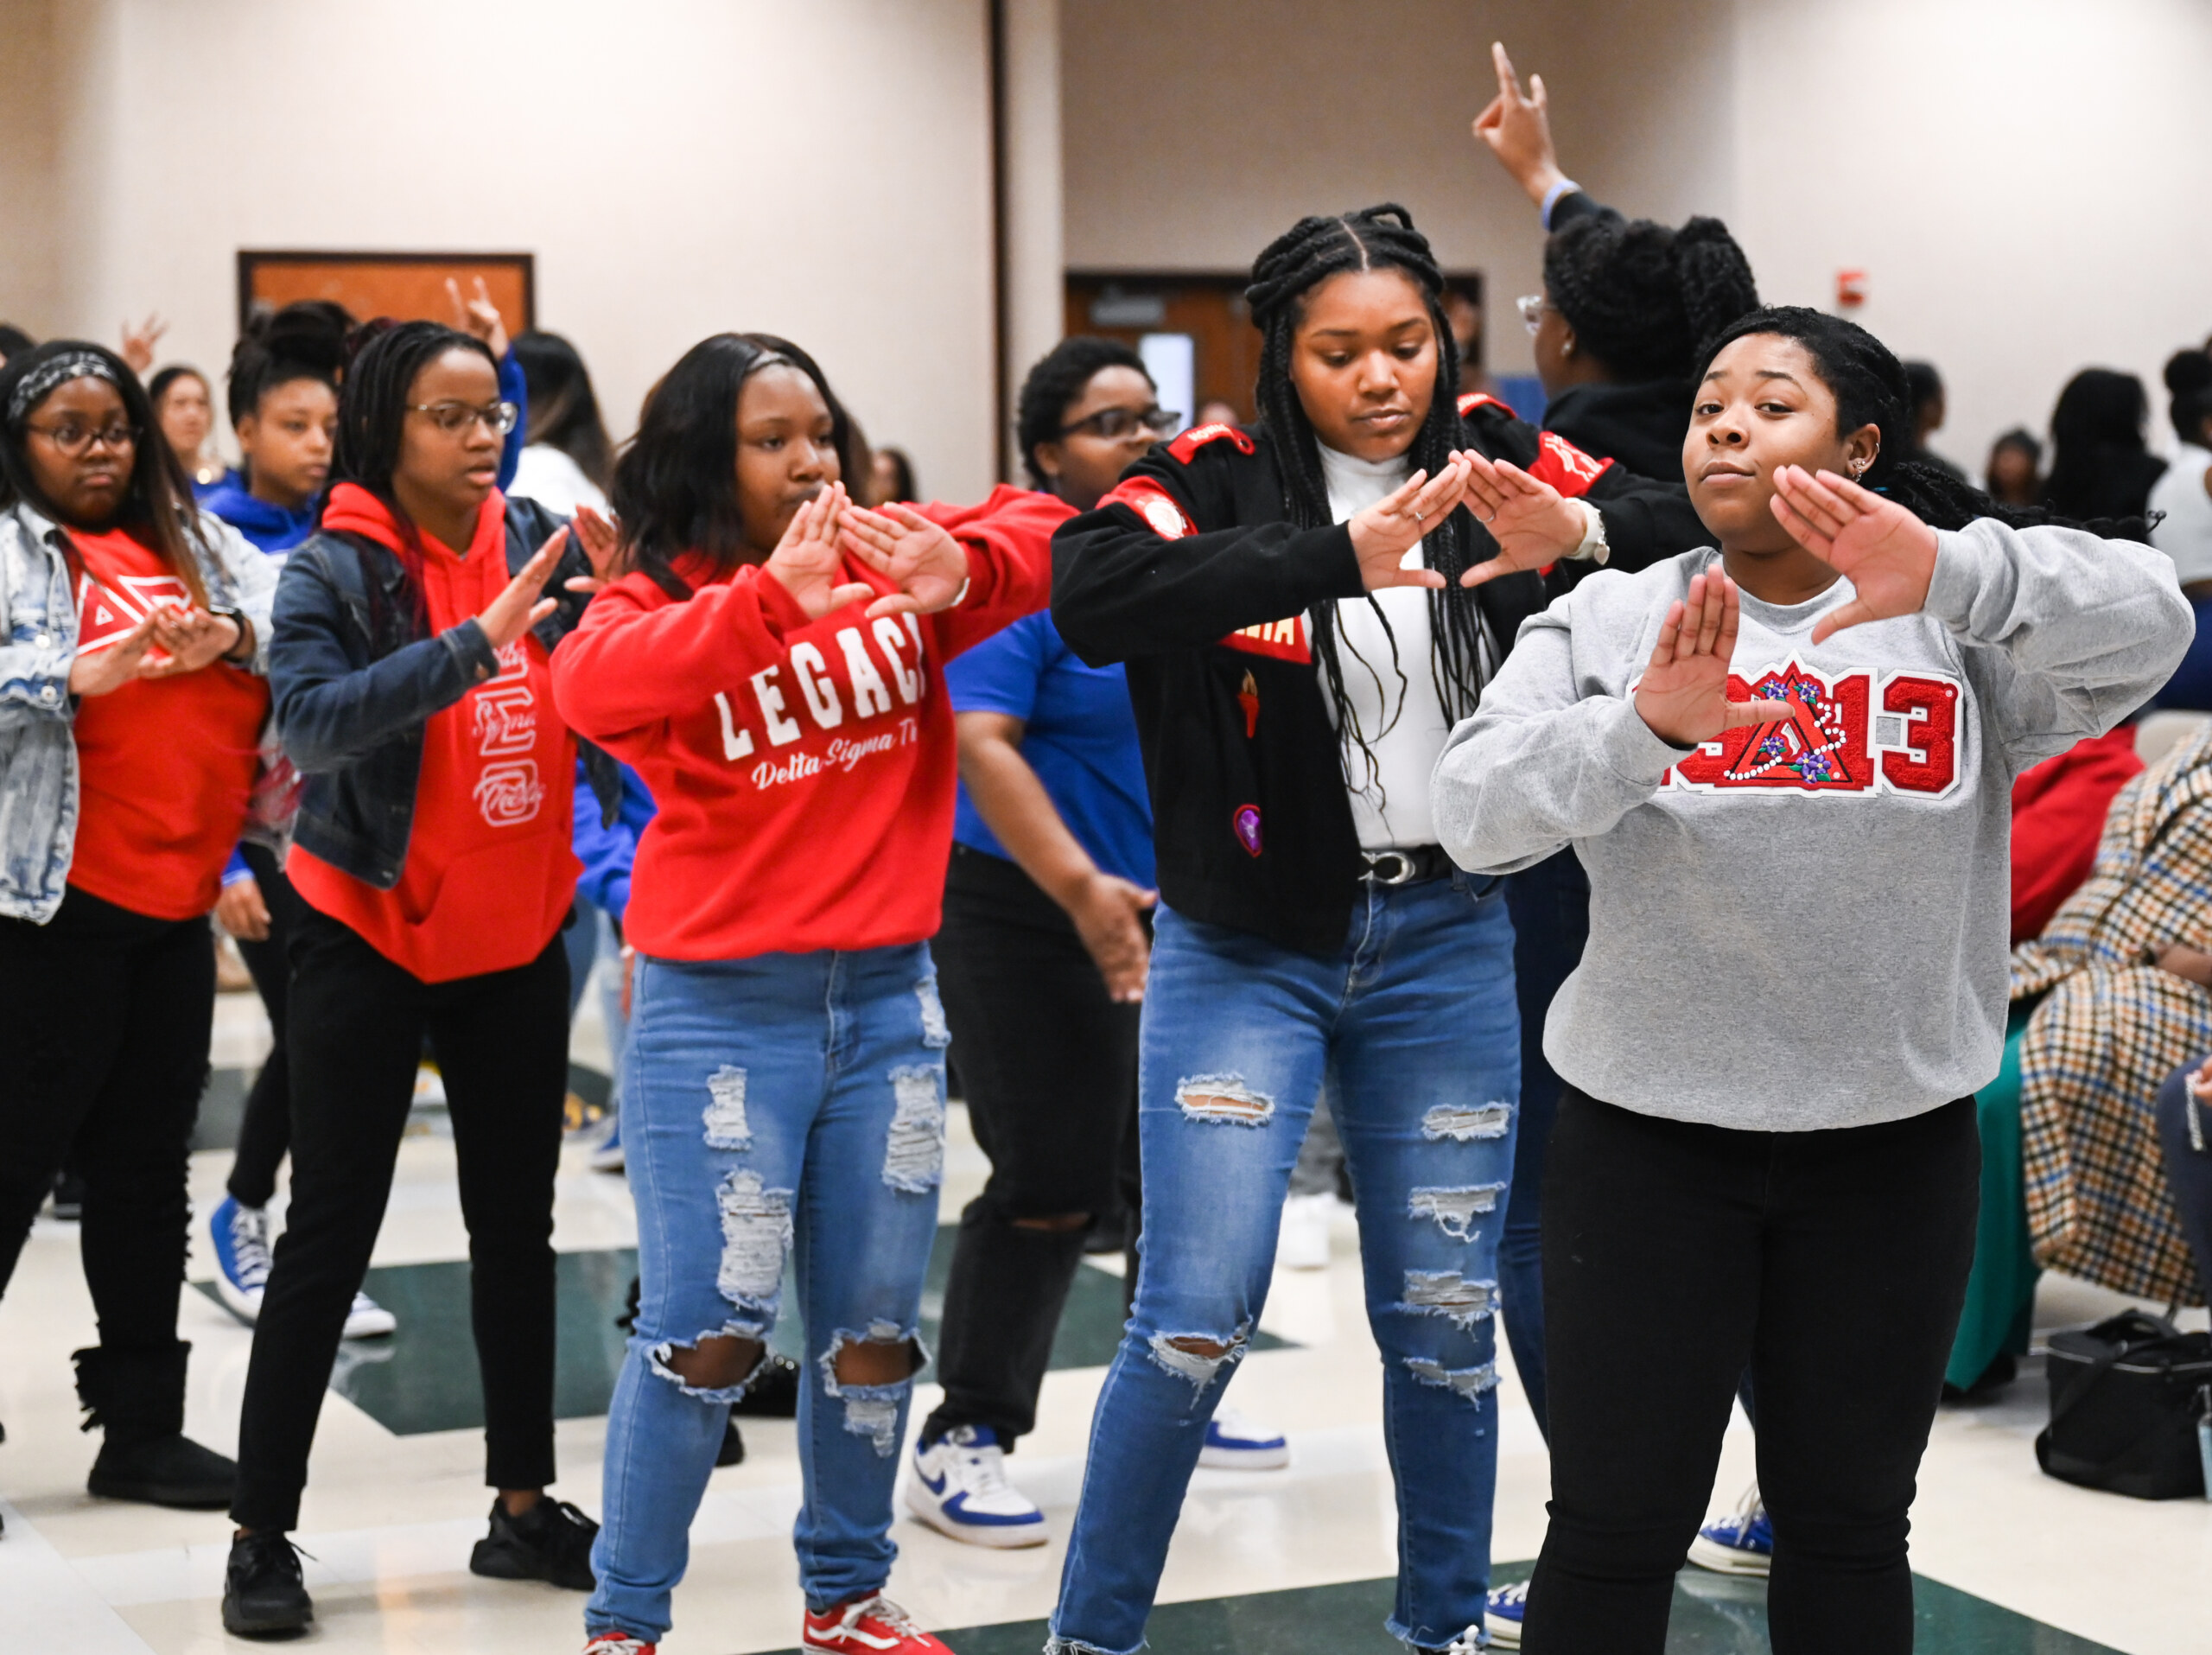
column 1803, row 925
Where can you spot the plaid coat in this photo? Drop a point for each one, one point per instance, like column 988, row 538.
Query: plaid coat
column 2111, row 1028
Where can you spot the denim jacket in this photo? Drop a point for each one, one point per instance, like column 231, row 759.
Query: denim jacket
column 355, row 680
column 38, row 747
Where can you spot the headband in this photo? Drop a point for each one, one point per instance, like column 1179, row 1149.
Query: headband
column 33, row 387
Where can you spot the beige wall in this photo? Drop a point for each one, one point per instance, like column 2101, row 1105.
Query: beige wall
column 678, row 168
column 2027, row 184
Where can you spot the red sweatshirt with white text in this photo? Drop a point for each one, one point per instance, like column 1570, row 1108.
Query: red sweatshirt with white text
column 804, row 769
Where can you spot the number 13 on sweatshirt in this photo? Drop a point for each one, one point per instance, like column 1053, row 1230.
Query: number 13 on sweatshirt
column 804, row 768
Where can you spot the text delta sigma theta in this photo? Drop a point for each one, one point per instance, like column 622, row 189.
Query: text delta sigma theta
column 855, row 683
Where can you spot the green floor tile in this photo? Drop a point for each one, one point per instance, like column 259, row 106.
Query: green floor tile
column 423, row 1378
column 1714, row 1614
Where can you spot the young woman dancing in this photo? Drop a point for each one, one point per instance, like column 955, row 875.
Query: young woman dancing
column 131, row 712
column 773, row 667
column 433, row 869
column 1304, row 610
column 1776, row 759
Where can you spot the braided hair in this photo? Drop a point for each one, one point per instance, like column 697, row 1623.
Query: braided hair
column 1642, row 296
column 1293, row 264
column 1871, row 388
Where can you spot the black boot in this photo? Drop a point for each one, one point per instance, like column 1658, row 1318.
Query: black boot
column 732, row 1452
column 136, row 1398
column 262, row 1594
column 549, row 1542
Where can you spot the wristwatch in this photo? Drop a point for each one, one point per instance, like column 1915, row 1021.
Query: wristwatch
column 237, row 618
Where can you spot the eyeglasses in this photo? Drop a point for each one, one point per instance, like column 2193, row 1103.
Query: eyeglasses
column 72, row 439
column 455, row 417
column 1532, row 306
column 1114, row 423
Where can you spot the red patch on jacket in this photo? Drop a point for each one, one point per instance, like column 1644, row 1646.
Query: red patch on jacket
column 1475, row 400
column 1279, row 640
column 1154, row 505
column 1565, row 467
column 1198, row 436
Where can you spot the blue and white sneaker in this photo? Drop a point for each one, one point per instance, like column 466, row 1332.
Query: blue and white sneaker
column 959, row 1488
column 1235, row 1443
column 1501, row 1613
column 607, row 1157
column 241, row 1239
column 1739, row 1543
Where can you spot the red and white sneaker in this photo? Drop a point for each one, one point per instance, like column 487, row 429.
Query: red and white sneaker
column 870, row 1626
column 618, row 1643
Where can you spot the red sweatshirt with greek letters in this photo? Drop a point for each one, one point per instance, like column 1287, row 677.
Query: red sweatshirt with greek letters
column 804, row 769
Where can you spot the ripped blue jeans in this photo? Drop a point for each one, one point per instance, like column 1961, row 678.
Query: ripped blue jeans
column 1412, row 1030
column 789, row 1103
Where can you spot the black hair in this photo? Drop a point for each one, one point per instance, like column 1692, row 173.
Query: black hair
column 157, row 500
column 2022, row 438
column 13, row 340
column 1293, row 264
column 1924, row 385
column 158, row 387
column 1642, row 297
column 902, row 465
column 2097, row 450
column 1871, row 388
column 385, row 357
column 564, row 408
column 1056, row 380
column 674, row 488
column 2189, row 382
column 303, row 340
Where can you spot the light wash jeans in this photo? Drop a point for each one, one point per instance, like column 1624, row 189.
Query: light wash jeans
column 1412, row 1031
column 591, row 942
column 787, row 1103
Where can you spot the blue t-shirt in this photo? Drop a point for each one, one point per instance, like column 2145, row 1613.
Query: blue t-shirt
column 1081, row 739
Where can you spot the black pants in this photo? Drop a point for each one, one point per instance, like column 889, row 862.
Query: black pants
column 1835, row 1263
column 105, row 1017
column 266, row 1133
column 1049, row 1063
column 356, row 1028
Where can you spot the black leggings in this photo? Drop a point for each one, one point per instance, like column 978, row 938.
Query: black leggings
column 266, row 1133
column 356, row 1028
column 1835, row 1264
column 105, row 1017
column 1048, row 1065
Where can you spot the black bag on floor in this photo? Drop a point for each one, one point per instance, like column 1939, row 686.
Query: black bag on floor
column 2124, row 1407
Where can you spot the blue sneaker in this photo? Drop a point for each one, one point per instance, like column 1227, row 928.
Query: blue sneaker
column 1235, row 1443
column 1739, row 1543
column 1501, row 1613
column 241, row 1239
column 607, row 1157
column 959, row 1488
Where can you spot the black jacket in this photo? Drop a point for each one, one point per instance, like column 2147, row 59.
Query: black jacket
column 1186, row 572
column 354, row 679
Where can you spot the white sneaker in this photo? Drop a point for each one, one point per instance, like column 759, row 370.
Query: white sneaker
column 1303, row 1241
column 368, row 1319
column 1235, row 1443
column 959, row 1488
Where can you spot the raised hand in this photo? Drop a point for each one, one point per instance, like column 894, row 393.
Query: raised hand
column 190, row 638
column 1532, row 522
column 807, row 560
column 602, row 544
column 138, row 342
column 109, row 668
column 929, row 566
column 520, row 608
column 1517, row 127
column 1105, row 914
column 1384, row 532
column 1885, row 552
column 1683, row 695
column 477, row 314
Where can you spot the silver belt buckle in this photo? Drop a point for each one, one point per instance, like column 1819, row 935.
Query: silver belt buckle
column 1378, row 861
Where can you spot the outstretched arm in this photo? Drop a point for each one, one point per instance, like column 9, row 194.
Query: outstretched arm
column 1516, row 125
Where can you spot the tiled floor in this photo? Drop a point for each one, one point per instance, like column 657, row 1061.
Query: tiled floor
column 1285, row 1562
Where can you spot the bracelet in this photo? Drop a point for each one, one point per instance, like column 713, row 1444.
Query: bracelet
column 1593, row 547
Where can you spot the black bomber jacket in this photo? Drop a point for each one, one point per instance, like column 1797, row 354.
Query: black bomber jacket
column 1190, row 573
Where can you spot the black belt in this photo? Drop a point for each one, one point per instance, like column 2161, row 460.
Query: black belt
column 1410, row 866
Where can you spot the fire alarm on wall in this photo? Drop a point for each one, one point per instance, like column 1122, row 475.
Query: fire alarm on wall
column 1849, row 289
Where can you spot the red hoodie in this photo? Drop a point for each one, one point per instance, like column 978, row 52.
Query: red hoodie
column 490, row 875
column 804, row 769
